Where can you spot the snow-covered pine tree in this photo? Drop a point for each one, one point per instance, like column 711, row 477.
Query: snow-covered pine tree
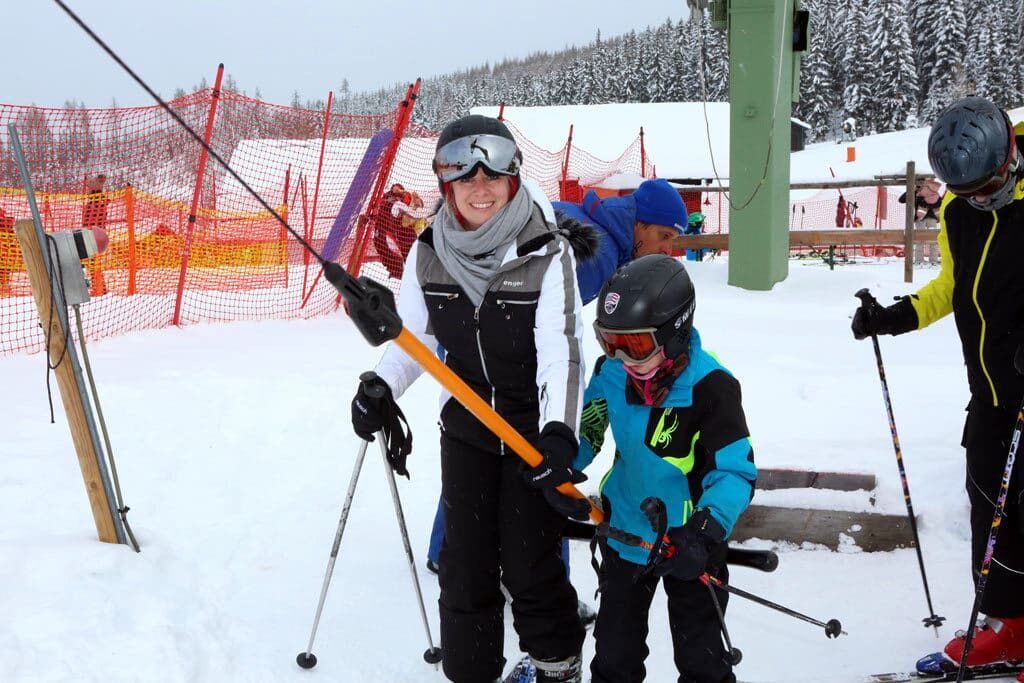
column 894, row 81
column 946, row 31
column 675, row 90
column 716, row 61
column 856, row 68
column 818, row 93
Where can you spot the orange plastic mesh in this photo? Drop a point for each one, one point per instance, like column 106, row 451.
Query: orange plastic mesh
column 241, row 264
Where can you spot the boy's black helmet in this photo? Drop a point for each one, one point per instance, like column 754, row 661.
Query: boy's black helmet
column 970, row 145
column 651, row 291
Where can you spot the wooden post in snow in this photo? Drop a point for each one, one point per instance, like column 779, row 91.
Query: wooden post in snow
column 32, row 253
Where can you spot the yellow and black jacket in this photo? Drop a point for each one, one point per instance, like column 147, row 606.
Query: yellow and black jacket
column 982, row 284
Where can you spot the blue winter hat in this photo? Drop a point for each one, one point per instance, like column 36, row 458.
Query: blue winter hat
column 659, row 203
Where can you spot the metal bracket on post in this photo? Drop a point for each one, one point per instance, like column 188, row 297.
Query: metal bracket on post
column 84, row 434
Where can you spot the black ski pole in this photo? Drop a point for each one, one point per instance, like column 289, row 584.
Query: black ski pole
column 934, row 620
column 654, row 509
column 833, row 627
column 990, row 545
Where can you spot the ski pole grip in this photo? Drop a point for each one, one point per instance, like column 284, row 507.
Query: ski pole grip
column 866, row 297
column 374, row 386
column 654, row 509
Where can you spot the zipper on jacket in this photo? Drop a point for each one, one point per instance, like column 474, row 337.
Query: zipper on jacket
column 483, row 364
column 502, row 302
column 447, row 295
column 981, row 316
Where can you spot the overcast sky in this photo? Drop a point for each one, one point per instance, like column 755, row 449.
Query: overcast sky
column 281, row 46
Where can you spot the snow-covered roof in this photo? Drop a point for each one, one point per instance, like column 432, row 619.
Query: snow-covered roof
column 674, row 132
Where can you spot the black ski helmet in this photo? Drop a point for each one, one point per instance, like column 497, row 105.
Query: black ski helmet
column 651, row 291
column 476, row 124
column 971, row 144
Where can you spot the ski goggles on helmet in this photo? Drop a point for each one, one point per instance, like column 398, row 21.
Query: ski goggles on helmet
column 461, row 156
column 632, row 346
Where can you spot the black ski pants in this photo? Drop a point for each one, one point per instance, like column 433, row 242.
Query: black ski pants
column 498, row 529
column 987, row 435
column 621, row 629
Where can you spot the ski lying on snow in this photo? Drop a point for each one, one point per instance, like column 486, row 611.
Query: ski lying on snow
column 979, row 673
column 524, row 672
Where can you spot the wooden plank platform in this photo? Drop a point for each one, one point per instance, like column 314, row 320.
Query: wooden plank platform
column 870, row 531
column 771, row 479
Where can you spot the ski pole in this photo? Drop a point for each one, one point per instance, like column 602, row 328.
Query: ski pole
column 307, row 660
column 432, row 654
column 763, row 560
column 654, row 509
column 735, row 655
column 934, row 620
column 990, row 545
column 370, row 305
column 833, row 627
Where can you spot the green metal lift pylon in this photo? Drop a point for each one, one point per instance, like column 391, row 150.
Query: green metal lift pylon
column 763, row 73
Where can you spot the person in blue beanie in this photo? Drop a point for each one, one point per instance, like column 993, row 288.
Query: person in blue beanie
column 645, row 222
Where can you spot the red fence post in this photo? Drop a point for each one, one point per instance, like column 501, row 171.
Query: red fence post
column 187, row 245
column 129, row 221
column 643, row 155
column 401, row 122
column 284, row 233
column 563, row 192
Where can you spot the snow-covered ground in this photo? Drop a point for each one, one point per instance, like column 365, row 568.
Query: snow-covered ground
column 234, row 449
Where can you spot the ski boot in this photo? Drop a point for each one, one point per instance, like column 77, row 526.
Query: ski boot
column 996, row 641
column 568, row 670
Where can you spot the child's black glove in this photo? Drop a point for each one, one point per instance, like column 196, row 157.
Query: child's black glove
column 693, row 542
column 374, row 410
column 558, row 445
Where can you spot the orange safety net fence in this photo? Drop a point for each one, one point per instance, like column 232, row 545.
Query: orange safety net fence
column 241, row 264
column 412, row 192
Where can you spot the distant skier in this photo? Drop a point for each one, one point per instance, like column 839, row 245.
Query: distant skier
column 680, row 435
column 848, row 130
column 695, row 226
column 975, row 150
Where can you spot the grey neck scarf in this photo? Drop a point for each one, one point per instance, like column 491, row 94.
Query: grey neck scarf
column 472, row 257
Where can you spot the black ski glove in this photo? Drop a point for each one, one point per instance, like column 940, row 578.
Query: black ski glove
column 374, row 410
column 693, row 542
column 558, row 445
column 1018, row 360
column 873, row 319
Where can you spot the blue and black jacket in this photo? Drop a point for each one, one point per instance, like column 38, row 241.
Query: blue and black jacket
column 692, row 451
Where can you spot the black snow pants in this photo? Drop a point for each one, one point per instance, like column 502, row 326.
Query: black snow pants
column 987, row 434
column 621, row 630
column 498, row 529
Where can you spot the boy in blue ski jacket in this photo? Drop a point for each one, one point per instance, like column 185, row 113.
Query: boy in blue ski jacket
column 642, row 223
column 681, row 435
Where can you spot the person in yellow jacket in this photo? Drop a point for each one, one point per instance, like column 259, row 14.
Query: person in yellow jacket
column 975, row 149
